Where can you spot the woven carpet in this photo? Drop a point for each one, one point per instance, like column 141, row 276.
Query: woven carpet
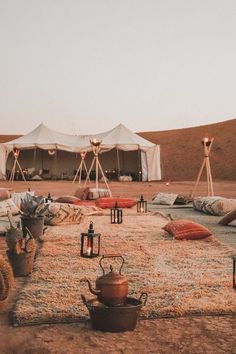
column 181, row 277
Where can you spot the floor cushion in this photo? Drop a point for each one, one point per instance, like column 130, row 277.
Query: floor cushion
column 82, row 193
column 18, row 196
column 106, row 203
column 95, row 193
column 208, row 205
column 228, row 218
column 8, row 206
column 4, row 194
column 165, row 198
column 84, row 202
column 182, row 199
column 60, row 213
column 67, row 199
column 186, row 230
column 125, row 179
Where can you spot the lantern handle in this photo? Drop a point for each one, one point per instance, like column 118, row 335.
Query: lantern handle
column 143, row 298
column 112, row 256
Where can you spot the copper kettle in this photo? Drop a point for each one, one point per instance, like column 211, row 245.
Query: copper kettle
column 111, row 288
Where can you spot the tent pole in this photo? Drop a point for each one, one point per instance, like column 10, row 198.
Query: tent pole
column 118, row 163
column 139, row 166
column 55, row 164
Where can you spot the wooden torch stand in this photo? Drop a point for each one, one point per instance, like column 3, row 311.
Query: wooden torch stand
column 207, row 144
column 96, row 150
column 80, row 168
column 13, row 171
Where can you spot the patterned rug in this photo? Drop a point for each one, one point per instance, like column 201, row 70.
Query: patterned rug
column 180, row 277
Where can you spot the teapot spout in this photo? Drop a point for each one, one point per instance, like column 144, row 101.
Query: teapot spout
column 91, row 289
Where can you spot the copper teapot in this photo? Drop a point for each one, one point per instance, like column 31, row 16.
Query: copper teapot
column 111, row 288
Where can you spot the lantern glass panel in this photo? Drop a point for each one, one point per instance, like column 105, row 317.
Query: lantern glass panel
column 116, row 215
column 142, row 205
column 90, row 243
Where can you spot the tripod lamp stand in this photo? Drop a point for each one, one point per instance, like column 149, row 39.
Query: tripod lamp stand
column 96, row 147
column 16, row 154
column 207, row 144
column 80, row 168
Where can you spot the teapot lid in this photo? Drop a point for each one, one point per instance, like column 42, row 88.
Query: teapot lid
column 112, row 278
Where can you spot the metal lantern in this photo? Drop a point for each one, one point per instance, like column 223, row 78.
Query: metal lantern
column 142, row 205
column 51, row 152
column 49, row 199
column 234, row 272
column 116, row 215
column 90, row 243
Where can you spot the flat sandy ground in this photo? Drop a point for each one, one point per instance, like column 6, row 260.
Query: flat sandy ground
column 216, row 334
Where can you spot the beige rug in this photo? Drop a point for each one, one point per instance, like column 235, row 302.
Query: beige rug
column 180, row 277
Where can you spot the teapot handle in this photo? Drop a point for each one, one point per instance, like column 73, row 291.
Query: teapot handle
column 112, row 256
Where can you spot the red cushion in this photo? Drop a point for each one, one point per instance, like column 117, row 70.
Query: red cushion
column 105, row 203
column 186, row 230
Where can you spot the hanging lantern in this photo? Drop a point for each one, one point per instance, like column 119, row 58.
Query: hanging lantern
column 16, row 153
column 234, row 272
column 142, row 205
column 51, row 152
column 90, row 243
column 116, row 215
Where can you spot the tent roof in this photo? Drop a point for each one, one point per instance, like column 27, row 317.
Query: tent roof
column 124, row 139
column 45, row 138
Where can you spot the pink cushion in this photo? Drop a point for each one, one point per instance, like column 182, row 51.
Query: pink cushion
column 4, row 194
column 186, row 230
column 106, row 203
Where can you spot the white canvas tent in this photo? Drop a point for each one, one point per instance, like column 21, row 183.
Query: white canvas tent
column 120, row 138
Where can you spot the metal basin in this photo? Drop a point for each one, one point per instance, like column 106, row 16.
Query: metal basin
column 118, row 318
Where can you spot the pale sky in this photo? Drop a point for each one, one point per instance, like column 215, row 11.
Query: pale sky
column 84, row 66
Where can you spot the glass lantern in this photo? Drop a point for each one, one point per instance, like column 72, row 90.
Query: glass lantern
column 116, row 215
column 90, row 243
column 49, row 198
column 142, row 205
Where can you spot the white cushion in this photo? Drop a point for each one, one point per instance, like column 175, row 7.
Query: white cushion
column 8, row 205
column 165, row 198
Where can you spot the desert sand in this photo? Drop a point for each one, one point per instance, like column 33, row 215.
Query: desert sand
column 202, row 334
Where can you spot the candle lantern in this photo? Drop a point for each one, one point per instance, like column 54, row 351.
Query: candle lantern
column 90, row 243
column 116, row 215
column 49, row 199
column 234, row 272
column 142, row 205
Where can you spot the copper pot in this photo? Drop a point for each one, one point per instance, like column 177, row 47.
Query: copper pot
column 111, row 288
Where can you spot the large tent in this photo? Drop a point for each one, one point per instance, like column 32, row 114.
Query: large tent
column 118, row 138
